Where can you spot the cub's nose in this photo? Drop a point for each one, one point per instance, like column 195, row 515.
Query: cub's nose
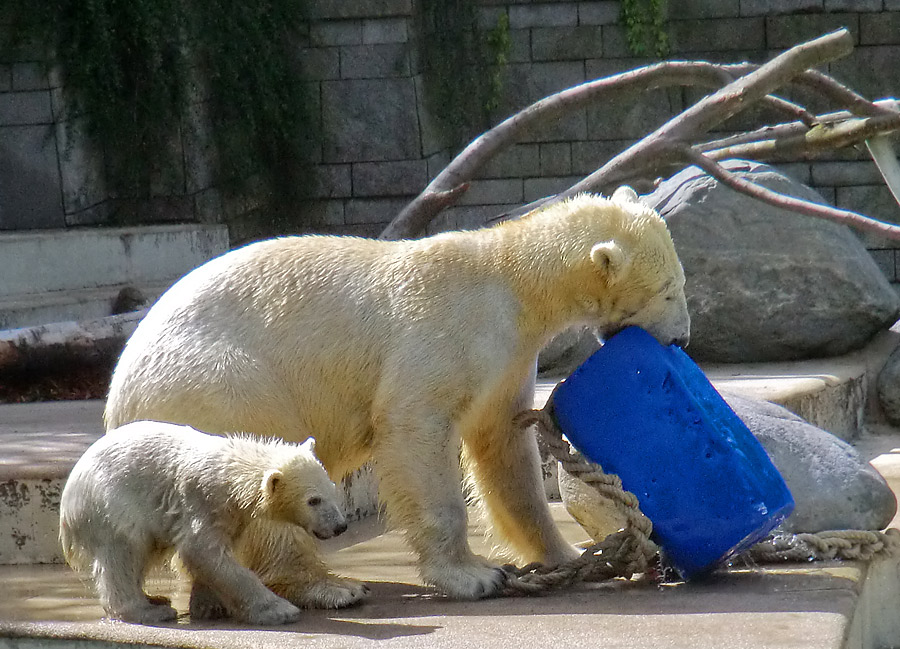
column 340, row 528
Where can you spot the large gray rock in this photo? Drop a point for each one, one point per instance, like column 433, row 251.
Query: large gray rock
column 832, row 486
column 888, row 387
column 766, row 284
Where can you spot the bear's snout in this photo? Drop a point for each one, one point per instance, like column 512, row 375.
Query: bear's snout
column 329, row 522
column 328, row 532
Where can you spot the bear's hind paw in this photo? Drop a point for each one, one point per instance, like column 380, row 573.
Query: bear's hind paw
column 145, row 613
column 273, row 612
column 334, row 592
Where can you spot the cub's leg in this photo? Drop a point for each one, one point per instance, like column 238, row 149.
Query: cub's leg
column 119, row 565
column 419, row 481
column 287, row 560
column 242, row 593
column 505, row 468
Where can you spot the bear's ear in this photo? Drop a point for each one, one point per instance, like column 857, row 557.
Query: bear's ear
column 625, row 194
column 309, row 445
column 610, row 258
column 271, row 481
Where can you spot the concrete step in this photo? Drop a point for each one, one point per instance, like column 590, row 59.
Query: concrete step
column 58, row 275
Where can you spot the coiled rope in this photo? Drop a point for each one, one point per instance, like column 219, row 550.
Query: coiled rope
column 630, row 551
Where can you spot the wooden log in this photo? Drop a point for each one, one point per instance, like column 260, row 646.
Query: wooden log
column 46, row 347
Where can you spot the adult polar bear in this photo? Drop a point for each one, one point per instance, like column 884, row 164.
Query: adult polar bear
column 397, row 352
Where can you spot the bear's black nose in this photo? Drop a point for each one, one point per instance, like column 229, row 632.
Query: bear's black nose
column 681, row 341
column 340, row 529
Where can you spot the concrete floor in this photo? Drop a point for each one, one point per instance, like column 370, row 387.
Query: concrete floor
column 809, row 607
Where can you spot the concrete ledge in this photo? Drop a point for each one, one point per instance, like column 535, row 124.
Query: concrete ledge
column 788, row 607
column 58, row 275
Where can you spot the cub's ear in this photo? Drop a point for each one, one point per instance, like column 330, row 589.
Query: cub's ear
column 610, row 258
column 271, row 481
column 309, row 445
column 625, row 194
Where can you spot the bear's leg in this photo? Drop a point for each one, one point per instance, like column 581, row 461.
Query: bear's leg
column 241, row 592
column 505, row 468
column 296, row 571
column 420, row 483
column 119, row 572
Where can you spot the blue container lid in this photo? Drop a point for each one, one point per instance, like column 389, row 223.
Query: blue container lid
column 648, row 414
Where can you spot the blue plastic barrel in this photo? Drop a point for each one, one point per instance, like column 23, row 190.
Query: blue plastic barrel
column 648, row 414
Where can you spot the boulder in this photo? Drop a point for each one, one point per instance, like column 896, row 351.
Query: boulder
column 767, row 284
column 566, row 351
column 832, row 486
column 888, row 387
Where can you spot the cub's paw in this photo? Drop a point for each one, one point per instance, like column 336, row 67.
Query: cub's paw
column 271, row 612
column 475, row 579
column 334, row 592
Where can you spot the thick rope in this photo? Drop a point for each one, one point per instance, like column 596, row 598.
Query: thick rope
column 822, row 546
column 630, row 551
column 623, row 554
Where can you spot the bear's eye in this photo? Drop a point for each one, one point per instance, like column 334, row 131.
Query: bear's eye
column 315, row 501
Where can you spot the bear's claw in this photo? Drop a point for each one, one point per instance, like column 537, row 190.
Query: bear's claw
column 334, row 592
column 476, row 580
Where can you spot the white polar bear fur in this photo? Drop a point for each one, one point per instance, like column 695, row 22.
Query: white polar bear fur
column 400, row 352
column 150, row 488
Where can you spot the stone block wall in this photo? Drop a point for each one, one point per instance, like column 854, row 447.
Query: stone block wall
column 380, row 146
column 51, row 176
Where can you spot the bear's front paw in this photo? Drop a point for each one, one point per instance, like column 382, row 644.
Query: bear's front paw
column 271, row 612
column 145, row 613
column 476, row 579
column 205, row 604
column 334, row 592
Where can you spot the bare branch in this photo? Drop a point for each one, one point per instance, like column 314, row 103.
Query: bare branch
column 719, row 106
column 827, row 136
column 791, row 203
column 781, row 131
column 791, row 110
column 420, row 211
column 664, row 148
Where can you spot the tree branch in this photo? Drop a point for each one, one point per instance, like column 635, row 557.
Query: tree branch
column 800, row 143
column 714, row 109
column 845, row 217
column 419, row 212
column 665, row 147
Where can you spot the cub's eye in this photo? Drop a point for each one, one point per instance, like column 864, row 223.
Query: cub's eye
column 315, row 501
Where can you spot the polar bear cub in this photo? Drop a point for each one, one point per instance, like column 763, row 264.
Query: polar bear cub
column 150, row 487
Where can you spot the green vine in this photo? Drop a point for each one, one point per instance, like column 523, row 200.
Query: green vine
column 645, row 27
column 130, row 68
column 463, row 66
